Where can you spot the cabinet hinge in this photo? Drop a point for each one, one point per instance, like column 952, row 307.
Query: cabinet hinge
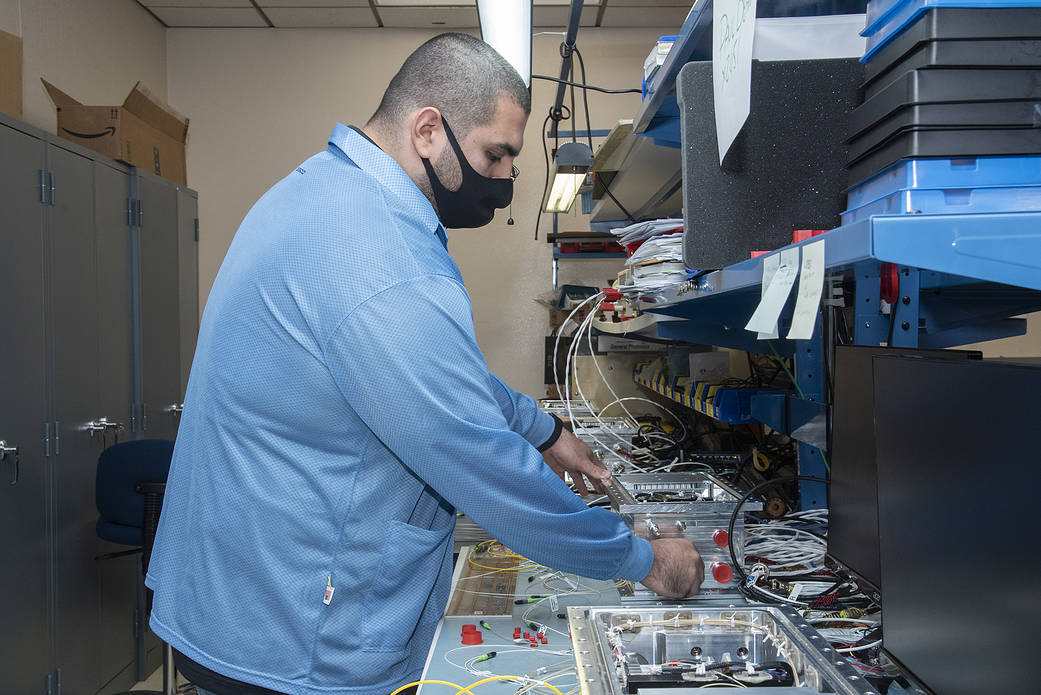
column 45, row 181
column 135, row 214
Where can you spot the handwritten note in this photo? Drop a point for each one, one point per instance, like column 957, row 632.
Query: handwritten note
column 811, row 282
column 764, row 320
column 733, row 34
column 770, row 265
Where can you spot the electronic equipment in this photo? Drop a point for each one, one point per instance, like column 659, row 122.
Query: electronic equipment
column 853, row 499
column 958, row 477
column 695, row 506
column 626, row 650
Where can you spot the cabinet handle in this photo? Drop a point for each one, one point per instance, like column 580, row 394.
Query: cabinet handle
column 4, row 451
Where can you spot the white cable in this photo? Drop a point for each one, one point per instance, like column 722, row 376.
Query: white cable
column 860, row 649
column 567, row 384
column 556, row 345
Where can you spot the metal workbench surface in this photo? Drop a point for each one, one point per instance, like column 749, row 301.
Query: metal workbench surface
column 448, row 654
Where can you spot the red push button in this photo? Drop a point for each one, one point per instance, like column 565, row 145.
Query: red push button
column 722, row 572
column 721, row 537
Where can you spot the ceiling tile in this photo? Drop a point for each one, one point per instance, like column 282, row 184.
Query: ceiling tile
column 195, row 3
column 665, row 17
column 650, row 3
column 558, row 16
column 429, row 17
column 313, row 3
column 427, row 3
column 209, row 16
column 317, row 17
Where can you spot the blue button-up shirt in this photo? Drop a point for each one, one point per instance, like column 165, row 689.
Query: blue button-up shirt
column 339, row 411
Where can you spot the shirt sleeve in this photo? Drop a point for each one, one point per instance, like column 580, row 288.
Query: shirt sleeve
column 522, row 414
column 408, row 363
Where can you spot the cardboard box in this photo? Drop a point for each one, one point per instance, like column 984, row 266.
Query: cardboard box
column 144, row 132
column 10, row 74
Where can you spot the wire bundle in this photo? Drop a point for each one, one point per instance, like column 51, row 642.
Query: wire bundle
column 795, row 544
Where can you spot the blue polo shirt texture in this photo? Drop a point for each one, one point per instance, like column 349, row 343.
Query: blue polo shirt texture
column 339, row 411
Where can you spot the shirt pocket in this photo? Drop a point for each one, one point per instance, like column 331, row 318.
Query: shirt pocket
column 409, row 567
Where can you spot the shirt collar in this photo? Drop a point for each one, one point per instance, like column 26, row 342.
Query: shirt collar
column 382, row 167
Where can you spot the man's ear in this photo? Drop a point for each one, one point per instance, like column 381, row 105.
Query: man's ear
column 428, row 133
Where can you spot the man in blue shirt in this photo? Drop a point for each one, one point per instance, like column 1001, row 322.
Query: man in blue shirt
column 339, row 411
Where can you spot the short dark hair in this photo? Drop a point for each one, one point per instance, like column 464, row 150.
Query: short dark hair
column 461, row 76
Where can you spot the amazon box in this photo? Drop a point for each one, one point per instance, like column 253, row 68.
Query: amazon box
column 144, row 132
column 10, row 74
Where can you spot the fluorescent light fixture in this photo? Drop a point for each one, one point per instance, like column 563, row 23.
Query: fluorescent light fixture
column 506, row 27
column 571, row 165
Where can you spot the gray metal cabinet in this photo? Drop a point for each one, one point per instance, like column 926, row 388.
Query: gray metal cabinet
column 94, row 260
column 188, row 277
column 75, row 366
column 159, row 312
column 25, row 582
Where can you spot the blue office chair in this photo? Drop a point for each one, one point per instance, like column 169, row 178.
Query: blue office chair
column 131, row 480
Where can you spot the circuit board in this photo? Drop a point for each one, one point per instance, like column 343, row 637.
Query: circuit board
column 486, row 586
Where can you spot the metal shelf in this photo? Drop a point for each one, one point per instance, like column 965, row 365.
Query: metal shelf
column 960, row 279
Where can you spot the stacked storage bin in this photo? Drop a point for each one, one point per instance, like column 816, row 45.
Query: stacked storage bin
column 951, row 118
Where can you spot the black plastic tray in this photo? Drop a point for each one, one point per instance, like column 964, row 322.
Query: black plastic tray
column 998, row 114
column 989, row 53
column 945, row 143
column 958, row 23
column 940, row 85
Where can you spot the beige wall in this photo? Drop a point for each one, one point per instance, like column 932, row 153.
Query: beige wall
column 95, row 50
column 261, row 101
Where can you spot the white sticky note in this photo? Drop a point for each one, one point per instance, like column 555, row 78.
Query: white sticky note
column 733, row 34
column 770, row 265
column 776, row 294
column 811, row 283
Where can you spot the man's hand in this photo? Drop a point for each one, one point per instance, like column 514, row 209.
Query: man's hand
column 678, row 569
column 570, row 454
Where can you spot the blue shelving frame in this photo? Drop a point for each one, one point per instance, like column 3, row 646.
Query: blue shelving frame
column 961, row 279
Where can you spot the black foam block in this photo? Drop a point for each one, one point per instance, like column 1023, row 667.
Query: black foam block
column 783, row 172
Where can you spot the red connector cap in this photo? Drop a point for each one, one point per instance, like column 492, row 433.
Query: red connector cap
column 721, row 537
column 606, row 306
column 611, row 294
column 722, row 572
column 472, row 637
column 804, row 234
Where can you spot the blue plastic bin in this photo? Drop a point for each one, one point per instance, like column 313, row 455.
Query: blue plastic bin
column 963, row 172
column 957, row 201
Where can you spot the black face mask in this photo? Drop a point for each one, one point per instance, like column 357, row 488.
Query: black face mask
column 474, row 204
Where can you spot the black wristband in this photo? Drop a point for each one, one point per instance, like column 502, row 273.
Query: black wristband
column 558, row 427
